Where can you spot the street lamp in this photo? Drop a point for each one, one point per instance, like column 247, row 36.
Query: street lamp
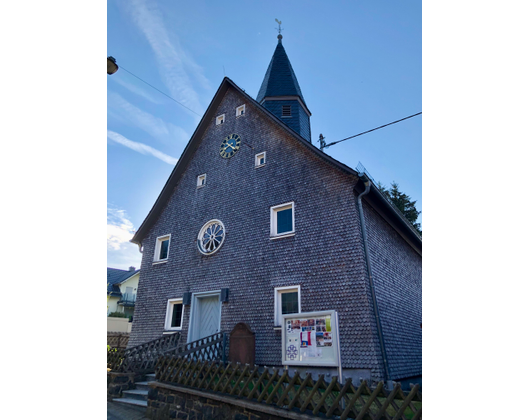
column 112, row 67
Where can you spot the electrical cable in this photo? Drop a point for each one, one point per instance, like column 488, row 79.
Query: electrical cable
column 373, row 129
column 121, row 67
column 326, row 145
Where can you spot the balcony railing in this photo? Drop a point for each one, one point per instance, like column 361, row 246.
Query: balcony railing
column 127, row 299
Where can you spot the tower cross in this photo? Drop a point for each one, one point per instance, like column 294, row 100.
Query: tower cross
column 279, row 26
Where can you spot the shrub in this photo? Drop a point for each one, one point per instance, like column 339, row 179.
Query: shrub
column 118, row 315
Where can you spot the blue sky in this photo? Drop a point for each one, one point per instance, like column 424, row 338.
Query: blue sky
column 358, row 65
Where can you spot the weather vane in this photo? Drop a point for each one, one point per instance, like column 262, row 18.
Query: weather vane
column 279, row 26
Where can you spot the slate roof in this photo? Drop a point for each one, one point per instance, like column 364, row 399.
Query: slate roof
column 115, row 277
column 280, row 79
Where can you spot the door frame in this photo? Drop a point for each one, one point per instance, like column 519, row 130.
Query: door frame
column 194, row 301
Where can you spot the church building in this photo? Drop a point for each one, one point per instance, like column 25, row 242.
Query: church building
column 255, row 222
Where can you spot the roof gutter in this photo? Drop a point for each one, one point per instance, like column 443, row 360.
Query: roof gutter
column 367, row 184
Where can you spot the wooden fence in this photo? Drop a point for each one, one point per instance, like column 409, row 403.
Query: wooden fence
column 142, row 358
column 117, row 340
column 295, row 393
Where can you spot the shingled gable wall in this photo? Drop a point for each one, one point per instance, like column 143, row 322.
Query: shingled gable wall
column 396, row 270
column 325, row 257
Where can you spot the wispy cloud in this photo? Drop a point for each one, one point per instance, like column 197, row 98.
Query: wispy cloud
column 120, row 230
column 140, row 147
column 176, row 66
column 154, row 126
column 136, row 90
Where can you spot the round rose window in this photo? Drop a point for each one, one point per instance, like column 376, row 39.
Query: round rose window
column 211, row 237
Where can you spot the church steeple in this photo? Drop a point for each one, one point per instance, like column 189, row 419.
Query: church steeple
column 280, row 93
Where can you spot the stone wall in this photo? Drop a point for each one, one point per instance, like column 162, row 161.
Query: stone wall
column 171, row 402
column 118, row 382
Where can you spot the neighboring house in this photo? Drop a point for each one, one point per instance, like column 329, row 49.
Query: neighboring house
column 122, row 286
column 255, row 222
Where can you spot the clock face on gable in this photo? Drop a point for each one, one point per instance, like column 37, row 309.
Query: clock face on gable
column 230, row 146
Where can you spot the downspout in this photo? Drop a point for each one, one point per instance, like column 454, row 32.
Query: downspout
column 367, row 185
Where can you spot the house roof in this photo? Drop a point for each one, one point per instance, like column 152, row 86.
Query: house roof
column 280, row 79
column 376, row 199
column 115, row 277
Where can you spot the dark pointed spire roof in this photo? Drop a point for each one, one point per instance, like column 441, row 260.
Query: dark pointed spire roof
column 280, row 79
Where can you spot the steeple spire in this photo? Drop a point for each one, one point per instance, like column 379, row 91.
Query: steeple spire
column 280, row 92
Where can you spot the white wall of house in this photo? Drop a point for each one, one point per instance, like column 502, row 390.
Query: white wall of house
column 118, row 324
column 112, row 302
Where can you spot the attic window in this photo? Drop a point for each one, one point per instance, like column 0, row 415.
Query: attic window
column 286, row 110
column 260, row 160
column 201, row 180
column 240, row 110
column 220, row 119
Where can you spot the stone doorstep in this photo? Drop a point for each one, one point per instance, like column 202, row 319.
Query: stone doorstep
column 130, row 401
column 135, row 394
column 142, row 385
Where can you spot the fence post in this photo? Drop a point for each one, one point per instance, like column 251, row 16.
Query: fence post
column 224, row 348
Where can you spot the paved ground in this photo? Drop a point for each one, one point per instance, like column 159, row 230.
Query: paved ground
column 118, row 411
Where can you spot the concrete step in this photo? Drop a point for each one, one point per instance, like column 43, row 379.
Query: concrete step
column 150, row 377
column 130, row 401
column 142, row 385
column 135, row 394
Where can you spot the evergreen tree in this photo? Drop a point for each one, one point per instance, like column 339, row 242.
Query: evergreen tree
column 403, row 202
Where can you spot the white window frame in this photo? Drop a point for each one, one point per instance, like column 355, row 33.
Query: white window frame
column 159, row 240
column 278, row 302
column 199, row 179
column 169, row 314
column 274, row 220
column 220, row 119
column 240, row 108
column 257, row 159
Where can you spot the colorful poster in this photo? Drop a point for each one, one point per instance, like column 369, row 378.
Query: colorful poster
column 328, row 342
column 295, row 325
column 328, row 323
column 320, row 339
column 308, row 345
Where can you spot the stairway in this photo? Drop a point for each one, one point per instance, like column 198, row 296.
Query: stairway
column 137, row 396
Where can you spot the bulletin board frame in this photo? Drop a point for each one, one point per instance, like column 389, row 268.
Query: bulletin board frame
column 314, row 356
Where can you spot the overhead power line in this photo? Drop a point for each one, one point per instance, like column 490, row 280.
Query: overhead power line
column 324, row 145
column 121, row 67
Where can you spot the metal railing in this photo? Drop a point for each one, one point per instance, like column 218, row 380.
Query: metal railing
column 127, row 299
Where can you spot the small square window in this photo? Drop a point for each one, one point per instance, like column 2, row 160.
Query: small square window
column 260, row 159
column 286, row 301
column 162, row 248
column 201, row 180
column 220, row 119
column 286, row 110
column 174, row 313
column 282, row 220
column 240, row 110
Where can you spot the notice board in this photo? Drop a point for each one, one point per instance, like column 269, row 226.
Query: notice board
column 310, row 339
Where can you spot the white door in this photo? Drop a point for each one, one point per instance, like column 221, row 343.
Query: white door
column 206, row 317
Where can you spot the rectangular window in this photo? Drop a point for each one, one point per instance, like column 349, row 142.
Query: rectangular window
column 201, row 180
column 286, row 110
column 260, row 159
column 176, row 318
column 286, row 301
column 282, row 220
column 174, row 314
column 220, row 119
column 240, row 110
column 162, row 248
